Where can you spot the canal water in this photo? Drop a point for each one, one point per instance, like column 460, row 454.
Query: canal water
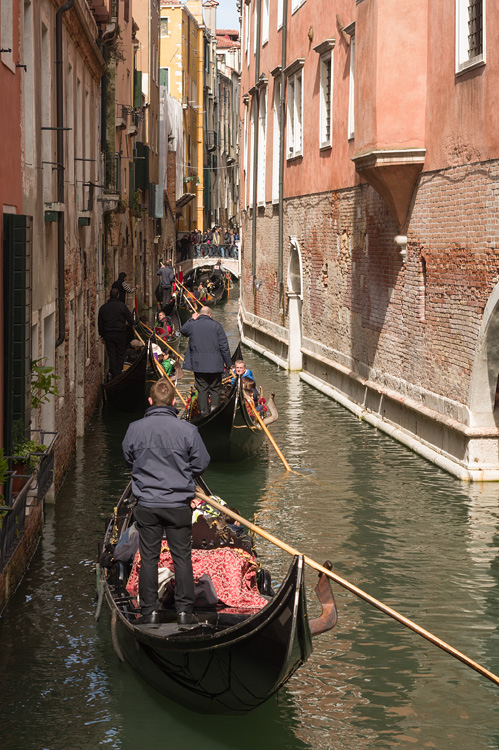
column 392, row 524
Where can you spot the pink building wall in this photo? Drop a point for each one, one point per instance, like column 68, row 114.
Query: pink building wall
column 10, row 148
column 396, row 227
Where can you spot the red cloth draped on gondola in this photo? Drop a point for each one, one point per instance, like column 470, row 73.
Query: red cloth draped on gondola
column 232, row 571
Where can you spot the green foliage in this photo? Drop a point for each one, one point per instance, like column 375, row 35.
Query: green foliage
column 4, row 471
column 43, row 384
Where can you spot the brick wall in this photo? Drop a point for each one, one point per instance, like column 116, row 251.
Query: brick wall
column 416, row 322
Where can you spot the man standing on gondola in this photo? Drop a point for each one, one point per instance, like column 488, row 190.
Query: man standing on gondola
column 112, row 321
column 165, row 454
column 166, row 281
column 206, row 355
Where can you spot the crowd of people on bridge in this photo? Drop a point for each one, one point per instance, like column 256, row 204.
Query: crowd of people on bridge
column 216, row 242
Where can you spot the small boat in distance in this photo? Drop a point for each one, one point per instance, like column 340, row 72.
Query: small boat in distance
column 238, row 656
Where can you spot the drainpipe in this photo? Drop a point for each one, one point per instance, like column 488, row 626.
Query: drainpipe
column 60, row 169
column 281, row 153
column 256, row 108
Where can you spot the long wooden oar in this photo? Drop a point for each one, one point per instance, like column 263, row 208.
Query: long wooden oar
column 186, row 297
column 176, row 353
column 267, row 432
column 163, row 374
column 350, row 587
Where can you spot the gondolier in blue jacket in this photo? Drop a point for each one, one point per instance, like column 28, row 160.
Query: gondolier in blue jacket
column 165, row 454
column 206, row 355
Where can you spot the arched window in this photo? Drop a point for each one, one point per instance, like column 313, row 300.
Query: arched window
column 295, row 268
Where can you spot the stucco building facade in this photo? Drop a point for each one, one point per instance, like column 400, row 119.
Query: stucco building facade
column 369, row 201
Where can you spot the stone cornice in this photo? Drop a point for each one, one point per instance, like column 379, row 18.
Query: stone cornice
column 325, row 46
column 83, row 31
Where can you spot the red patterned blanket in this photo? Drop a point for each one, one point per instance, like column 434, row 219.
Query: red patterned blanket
column 232, row 571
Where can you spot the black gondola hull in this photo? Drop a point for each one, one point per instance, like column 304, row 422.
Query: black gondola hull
column 230, row 671
column 127, row 391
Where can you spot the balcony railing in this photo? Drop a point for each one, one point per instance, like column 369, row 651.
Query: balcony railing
column 12, row 518
column 112, row 170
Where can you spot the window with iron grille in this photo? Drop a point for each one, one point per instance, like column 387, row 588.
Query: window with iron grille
column 475, row 28
column 470, row 34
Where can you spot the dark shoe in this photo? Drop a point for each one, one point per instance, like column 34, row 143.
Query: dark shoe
column 187, row 618
column 151, row 619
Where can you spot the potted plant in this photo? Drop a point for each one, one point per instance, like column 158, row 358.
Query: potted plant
column 43, row 384
column 26, row 457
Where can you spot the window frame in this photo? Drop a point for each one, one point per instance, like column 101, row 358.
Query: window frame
column 296, row 5
column 276, row 138
column 292, row 115
column 351, row 88
column 325, row 59
column 265, row 21
column 463, row 62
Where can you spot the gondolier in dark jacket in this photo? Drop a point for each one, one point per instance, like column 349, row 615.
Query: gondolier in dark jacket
column 166, row 281
column 112, row 324
column 122, row 287
column 165, row 454
column 206, row 355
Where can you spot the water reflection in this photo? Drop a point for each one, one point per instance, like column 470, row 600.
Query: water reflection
column 391, row 523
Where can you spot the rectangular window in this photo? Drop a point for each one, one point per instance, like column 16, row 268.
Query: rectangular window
column 262, row 147
column 326, row 100
column 164, row 78
column 255, row 18
column 265, row 21
column 164, row 26
column 351, row 95
column 280, row 14
column 7, row 34
column 247, row 27
column 276, row 141
column 470, row 34
column 295, row 115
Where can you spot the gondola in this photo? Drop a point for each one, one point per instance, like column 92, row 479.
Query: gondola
column 126, row 392
column 185, row 308
column 228, row 432
column 237, row 657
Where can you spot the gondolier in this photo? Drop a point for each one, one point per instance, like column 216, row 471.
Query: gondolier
column 165, row 454
column 112, row 323
column 207, row 354
column 166, row 281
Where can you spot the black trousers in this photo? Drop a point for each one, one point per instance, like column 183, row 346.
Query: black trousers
column 116, row 347
column 208, row 384
column 178, row 525
column 167, row 295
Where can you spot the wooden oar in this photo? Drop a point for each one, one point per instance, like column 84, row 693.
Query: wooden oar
column 186, row 297
column 351, row 587
column 163, row 374
column 266, row 431
column 176, row 353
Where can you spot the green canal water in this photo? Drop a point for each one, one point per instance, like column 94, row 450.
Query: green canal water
column 392, row 524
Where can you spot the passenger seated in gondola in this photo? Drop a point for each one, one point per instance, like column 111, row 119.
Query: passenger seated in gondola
column 201, row 293
column 167, row 363
column 133, row 352
column 164, row 327
column 266, row 410
column 239, row 368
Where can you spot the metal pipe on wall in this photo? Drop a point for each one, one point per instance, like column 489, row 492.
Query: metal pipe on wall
column 61, row 297
column 282, row 110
